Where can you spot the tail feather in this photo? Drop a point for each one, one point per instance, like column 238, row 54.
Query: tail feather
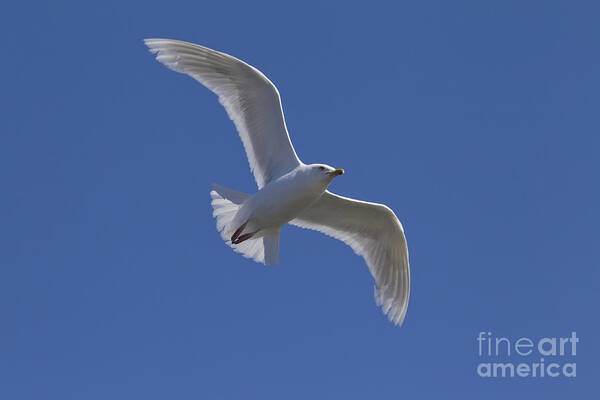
column 232, row 195
column 271, row 245
column 226, row 203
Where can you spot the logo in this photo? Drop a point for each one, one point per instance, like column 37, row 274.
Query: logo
column 501, row 357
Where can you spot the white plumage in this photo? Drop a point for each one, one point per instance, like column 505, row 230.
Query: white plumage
column 289, row 190
column 251, row 100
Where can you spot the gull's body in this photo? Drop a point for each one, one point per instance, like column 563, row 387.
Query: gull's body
column 289, row 191
column 281, row 200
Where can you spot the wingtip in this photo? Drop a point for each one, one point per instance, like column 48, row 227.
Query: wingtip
column 396, row 313
column 151, row 42
column 148, row 43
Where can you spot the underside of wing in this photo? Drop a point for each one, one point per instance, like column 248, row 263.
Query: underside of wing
column 374, row 232
column 251, row 100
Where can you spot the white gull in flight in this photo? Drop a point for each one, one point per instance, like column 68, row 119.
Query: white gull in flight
column 289, row 191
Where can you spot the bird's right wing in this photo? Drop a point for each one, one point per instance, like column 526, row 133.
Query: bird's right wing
column 251, row 101
column 374, row 232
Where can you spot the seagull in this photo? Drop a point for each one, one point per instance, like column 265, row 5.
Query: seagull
column 289, row 191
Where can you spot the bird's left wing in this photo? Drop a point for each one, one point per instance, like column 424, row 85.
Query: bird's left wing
column 251, row 101
column 374, row 232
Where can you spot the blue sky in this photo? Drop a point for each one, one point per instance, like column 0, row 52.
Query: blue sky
column 476, row 122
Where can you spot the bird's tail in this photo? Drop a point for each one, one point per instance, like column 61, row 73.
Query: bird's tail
column 226, row 204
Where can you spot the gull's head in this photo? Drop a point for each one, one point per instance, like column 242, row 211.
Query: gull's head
column 324, row 172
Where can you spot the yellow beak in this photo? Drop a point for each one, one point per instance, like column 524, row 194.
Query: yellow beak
column 338, row 171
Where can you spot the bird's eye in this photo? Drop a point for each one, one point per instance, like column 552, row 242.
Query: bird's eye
column 322, row 168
